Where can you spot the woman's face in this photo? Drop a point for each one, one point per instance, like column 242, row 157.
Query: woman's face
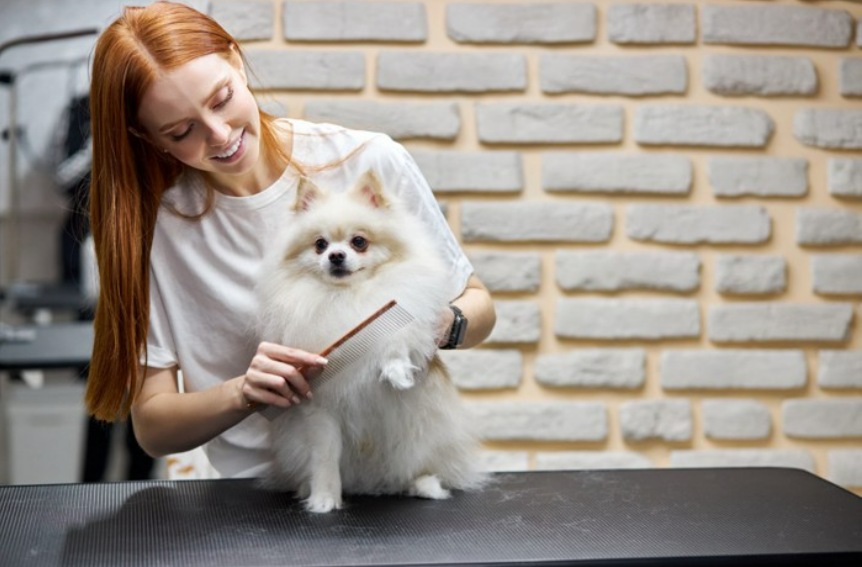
column 203, row 114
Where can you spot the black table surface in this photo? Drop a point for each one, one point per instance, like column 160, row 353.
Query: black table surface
column 58, row 345
column 759, row 516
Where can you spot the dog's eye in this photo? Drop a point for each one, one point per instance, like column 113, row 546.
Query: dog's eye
column 320, row 245
column 359, row 244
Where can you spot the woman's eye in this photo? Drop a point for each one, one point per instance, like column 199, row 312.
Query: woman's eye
column 178, row 137
column 226, row 99
column 320, row 245
column 359, row 243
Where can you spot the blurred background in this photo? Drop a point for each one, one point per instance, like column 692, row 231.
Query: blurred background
column 664, row 198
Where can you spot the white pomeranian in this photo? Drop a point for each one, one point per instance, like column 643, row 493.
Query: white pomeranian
column 392, row 422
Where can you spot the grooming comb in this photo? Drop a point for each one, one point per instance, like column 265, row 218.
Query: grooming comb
column 354, row 344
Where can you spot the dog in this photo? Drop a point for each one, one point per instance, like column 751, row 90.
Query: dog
column 393, row 422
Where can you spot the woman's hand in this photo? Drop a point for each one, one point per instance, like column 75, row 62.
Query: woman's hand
column 278, row 375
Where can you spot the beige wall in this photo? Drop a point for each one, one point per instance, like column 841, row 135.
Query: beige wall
column 782, row 211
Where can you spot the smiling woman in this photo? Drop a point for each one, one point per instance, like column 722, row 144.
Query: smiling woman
column 191, row 185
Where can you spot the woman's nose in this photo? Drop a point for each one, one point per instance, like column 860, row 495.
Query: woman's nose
column 219, row 132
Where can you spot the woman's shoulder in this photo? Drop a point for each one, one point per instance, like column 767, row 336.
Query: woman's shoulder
column 326, row 141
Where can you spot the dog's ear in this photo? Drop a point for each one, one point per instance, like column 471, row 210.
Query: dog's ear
column 370, row 190
column 307, row 193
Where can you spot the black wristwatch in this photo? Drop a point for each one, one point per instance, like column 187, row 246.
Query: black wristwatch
column 458, row 332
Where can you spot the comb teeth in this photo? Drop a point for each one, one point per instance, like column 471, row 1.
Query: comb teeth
column 353, row 349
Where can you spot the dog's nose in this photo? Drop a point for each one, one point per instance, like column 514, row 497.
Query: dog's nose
column 336, row 258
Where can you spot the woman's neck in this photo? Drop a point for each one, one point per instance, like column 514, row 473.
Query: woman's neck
column 249, row 183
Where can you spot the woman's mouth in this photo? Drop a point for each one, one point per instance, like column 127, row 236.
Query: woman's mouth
column 234, row 152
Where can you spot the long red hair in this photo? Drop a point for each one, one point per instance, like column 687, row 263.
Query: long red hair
column 130, row 175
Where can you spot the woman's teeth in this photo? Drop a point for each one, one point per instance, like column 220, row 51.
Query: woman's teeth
column 231, row 150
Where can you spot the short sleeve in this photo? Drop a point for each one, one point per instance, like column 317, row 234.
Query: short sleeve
column 417, row 195
column 161, row 349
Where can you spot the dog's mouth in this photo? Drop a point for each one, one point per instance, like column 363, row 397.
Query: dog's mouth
column 340, row 272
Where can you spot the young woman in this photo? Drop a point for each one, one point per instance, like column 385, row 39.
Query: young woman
column 190, row 183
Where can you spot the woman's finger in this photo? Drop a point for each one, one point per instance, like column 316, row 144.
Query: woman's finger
column 291, row 355
column 271, row 382
column 292, row 376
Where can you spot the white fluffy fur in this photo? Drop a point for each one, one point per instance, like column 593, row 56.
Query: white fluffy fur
column 395, row 425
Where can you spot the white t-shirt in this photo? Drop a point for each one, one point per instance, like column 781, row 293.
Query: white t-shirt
column 202, row 273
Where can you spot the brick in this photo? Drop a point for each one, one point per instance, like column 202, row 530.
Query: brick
column 736, row 419
column 827, row 226
column 778, row 321
column 508, row 271
column 505, row 461
column 746, row 274
column 592, row 368
column 272, row 107
column 758, row 176
column 451, row 72
column 355, row 21
column 668, row 420
column 484, row 369
column 759, row 75
column 792, row 458
column 850, row 76
column 624, row 319
column 845, row 177
column 401, row 120
column 829, row 128
column 245, row 21
column 692, row 125
column 611, row 172
column 837, row 273
column 533, row 22
column 732, row 369
column 591, row 460
column 549, row 123
column 306, row 70
column 517, row 322
column 526, row 221
column 776, row 25
column 695, row 224
column 631, row 76
column 454, row 171
column 651, row 23
column 822, row 419
column 845, row 467
column 540, row 421
column 839, row 369
column 618, row 271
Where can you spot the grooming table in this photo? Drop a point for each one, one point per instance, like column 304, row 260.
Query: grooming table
column 59, row 345
column 28, row 298
column 762, row 516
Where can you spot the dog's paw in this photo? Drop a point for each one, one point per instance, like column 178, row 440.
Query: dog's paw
column 321, row 503
column 428, row 486
column 399, row 373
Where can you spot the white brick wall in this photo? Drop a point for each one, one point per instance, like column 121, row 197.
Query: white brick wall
column 664, row 198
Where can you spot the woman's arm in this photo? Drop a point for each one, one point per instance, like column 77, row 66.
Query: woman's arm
column 169, row 422
column 478, row 307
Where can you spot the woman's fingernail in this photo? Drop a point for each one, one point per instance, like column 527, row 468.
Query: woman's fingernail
column 321, row 360
column 308, row 395
column 295, row 399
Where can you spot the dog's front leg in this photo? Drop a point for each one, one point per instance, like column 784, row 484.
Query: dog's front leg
column 325, row 480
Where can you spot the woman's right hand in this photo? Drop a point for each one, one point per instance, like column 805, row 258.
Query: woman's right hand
column 278, row 375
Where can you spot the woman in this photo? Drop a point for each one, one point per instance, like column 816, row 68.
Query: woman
column 190, row 182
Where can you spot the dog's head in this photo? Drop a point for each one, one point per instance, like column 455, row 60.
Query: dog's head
column 343, row 238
